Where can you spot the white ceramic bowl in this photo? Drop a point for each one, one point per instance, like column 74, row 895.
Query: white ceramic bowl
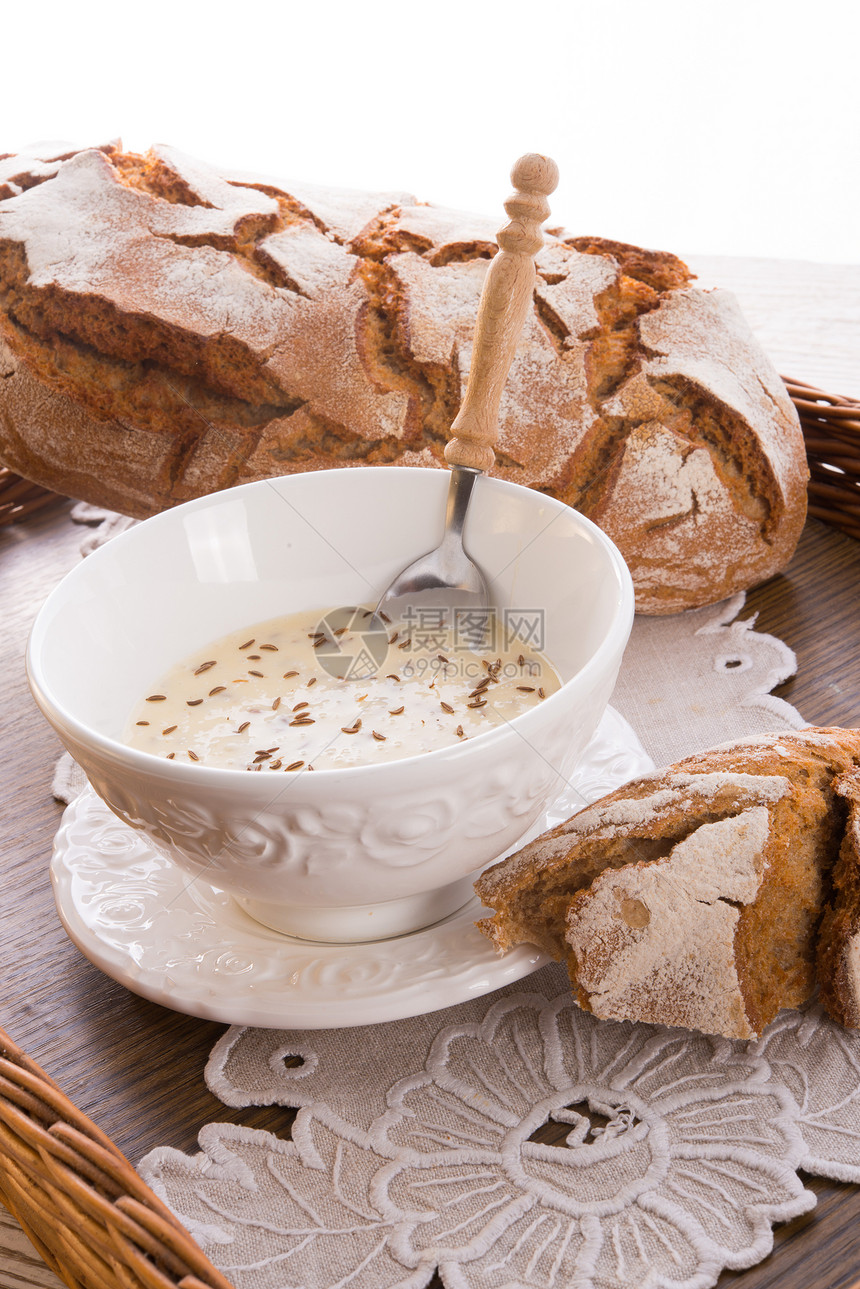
column 346, row 854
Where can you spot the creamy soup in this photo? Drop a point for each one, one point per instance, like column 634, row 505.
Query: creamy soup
column 318, row 690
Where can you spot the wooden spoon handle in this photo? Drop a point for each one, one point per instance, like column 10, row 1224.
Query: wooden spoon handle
column 505, row 301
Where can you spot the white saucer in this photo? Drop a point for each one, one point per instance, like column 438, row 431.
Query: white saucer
column 187, row 945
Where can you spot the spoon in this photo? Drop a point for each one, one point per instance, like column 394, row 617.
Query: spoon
column 446, row 578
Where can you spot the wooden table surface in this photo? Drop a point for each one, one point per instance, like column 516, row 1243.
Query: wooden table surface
column 137, row 1068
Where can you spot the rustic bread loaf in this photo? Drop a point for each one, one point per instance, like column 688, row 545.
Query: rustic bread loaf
column 167, row 330
column 706, row 895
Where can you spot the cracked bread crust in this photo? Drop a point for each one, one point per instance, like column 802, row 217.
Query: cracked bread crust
column 170, row 329
column 706, row 895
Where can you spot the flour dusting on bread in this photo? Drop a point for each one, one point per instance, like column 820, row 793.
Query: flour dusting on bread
column 174, row 329
column 623, row 930
column 711, row 895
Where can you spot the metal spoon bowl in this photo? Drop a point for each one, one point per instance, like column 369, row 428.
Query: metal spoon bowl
column 445, row 577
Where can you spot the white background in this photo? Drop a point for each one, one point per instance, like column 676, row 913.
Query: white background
column 724, row 128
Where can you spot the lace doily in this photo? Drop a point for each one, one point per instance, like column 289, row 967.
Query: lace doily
column 682, row 1151
column 414, row 1146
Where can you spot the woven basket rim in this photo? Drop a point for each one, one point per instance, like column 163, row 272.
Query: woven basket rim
column 831, row 433
column 90, row 1216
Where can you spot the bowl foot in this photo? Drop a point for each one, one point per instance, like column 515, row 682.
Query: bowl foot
column 360, row 923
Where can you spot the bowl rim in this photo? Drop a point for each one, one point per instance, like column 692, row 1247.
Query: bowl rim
column 211, row 776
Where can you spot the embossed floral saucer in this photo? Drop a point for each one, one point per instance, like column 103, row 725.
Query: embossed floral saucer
column 187, row 945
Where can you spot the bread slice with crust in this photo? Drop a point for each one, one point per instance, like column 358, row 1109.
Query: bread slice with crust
column 695, row 896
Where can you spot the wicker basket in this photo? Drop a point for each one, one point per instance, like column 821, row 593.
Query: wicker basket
column 831, row 429
column 19, row 499
column 87, row 1212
